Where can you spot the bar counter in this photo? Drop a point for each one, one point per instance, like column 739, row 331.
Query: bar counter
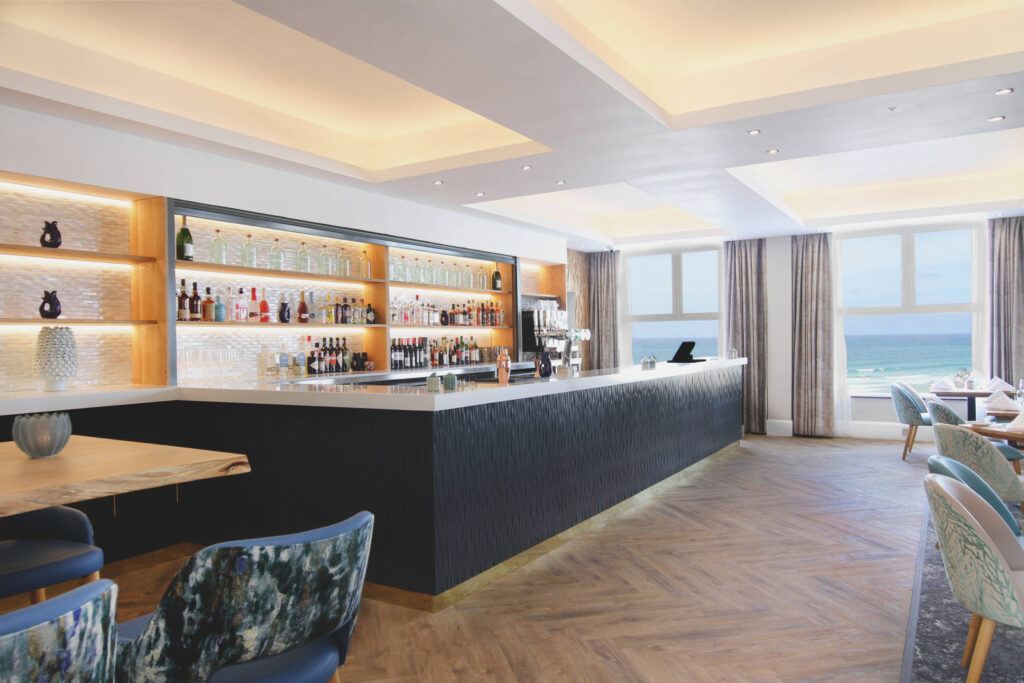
column 459, row 481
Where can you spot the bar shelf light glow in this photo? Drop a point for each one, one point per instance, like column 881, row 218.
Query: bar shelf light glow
column 413, row 286
column 268, row 274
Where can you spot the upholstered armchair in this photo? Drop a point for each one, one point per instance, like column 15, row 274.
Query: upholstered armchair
column 67, row 638
column 910, row 410
column 938, row 464
column 978, row 453
column 276, row 608
column 942, row 414
column 984, row 564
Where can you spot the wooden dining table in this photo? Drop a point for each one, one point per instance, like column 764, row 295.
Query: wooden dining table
column 998, row 431
column 972, row 395
column 90, row 467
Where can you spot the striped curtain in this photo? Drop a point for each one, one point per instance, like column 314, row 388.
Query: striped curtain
column 746, row 328
column 813, row 330
column 1006, row 294
column 604, row 322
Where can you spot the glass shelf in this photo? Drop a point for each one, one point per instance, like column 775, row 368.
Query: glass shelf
column 445, row 288
column 269, row 273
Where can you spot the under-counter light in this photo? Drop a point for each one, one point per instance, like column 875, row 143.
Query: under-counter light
column 754, row 131
column 61, row 194
column 1004, row 91
column 773, row 151
column 995, row 119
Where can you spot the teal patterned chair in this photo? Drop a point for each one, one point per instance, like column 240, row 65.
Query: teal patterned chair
column 942, row 414
column 938, row 464
column 278, row 609
column 978, row 453
column 67, row 638
column 910, row 410
column 984, row 564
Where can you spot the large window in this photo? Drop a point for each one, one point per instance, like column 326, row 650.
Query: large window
column 907, row 306
column 673, row 296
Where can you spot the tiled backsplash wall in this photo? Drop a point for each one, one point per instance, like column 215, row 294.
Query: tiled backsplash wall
column 84, row 223
column 104, row 357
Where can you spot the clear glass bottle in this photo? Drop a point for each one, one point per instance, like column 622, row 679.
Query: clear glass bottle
column 481, row 278
column 428, row 272
column 453, row 275
column 405, row 268
column 343, row 264
column 393, row 268
column 218, row 248
column 365, row 267
column 303, row 259
column 325, row 264
column 467, row 277
column 441, row 274
column 275, row 260
column 249, row 252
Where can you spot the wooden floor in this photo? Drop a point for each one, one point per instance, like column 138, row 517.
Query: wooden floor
column 777, row 560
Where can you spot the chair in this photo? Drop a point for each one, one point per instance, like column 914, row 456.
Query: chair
column 942, row 414
column 280, row 608
column 47, row 547
column 984, row 564
column 938, row 464
column 910, row 410
column 67, row 638
column 978, row 453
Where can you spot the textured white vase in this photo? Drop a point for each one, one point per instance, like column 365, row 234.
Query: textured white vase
column 56, row 358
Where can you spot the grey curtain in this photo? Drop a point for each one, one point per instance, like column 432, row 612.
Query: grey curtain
column 1006, row 293
column 604, row 322
column 745, row 323
column 813, row 331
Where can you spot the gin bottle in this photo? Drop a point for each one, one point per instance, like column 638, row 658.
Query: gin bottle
column 249, row 252
column 218, row 248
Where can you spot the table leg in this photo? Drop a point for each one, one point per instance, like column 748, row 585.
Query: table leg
column 972, row 412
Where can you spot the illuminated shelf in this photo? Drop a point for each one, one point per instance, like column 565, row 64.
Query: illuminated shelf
column 533, row 295
column 234, row 323
column 445, row 288
column 269, row 272
column 451, row 327
column 71, row 254
column 72, row 321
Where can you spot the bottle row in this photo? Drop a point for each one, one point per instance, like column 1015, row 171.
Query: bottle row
column 242, row 307
column 328, row 356
column 414, row 311
column 421, row 352
column 427, row 272
column 340, row 262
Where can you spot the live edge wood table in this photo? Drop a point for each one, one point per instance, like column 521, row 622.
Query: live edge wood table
column 90, row 467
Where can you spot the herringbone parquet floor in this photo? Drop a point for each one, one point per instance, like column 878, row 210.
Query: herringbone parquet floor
column 778, row 560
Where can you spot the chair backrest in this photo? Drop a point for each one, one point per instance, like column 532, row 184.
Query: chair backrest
column 905, row 401
column 70, row 637
column 978, row 572
column 238, row 601
column 942, row 414
column 938, row 464
column 978, row 453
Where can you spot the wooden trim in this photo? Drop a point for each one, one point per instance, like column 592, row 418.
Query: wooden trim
column 150, row 293
column 72, row 321
column 71, row 254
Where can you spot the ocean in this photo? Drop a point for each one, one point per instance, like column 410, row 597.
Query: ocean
column 872, row 361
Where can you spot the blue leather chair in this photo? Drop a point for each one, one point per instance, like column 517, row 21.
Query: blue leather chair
column 939, row 464
column 67, row 638
column 942, row 414
column 277, row 609
column 46, row 547
column 910, row 410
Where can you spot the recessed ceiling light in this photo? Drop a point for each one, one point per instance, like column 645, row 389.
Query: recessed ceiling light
column 754, row 131
column 773, row 151
column 1004, row 91
column 559, row 182
column 439, row 182
column 993, row 119
column 892, row 108
column 480, row 194
column 526, row 167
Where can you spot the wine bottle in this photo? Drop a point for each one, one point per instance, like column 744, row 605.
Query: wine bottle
column 496, row 279
column 303, row 310
column 185, row 248
column 343, row 353
column 183, row 302
column 264, row 306
column 195, row 304
column 254, row 308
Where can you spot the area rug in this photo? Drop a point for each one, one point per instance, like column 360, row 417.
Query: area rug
column 937, row 629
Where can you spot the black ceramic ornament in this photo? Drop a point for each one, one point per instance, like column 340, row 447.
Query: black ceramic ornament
column 50, row 308
column 284, row 314
column 51, row 236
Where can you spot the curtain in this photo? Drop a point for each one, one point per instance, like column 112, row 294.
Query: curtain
column 813, row 321
column 1006, row 293
column 604, row 322
column 745, row 324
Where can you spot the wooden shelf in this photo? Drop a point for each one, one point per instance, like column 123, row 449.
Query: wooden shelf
column 234, row 323
column 534, row 295
column 451, row 327
column 72, row 254
column 268, row 272
column 445, row 288
column 72, row 321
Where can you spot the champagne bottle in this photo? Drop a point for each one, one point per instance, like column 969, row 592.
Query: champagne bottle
column 185, row 248
column 496, row 279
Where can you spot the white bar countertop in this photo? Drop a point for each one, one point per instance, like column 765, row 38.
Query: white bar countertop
column 318, row 392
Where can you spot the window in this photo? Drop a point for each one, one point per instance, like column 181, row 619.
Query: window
column 908, row 307
column 673, row 296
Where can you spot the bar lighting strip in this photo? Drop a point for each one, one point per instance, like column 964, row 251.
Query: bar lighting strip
column 292, row 275
column 33, row 327
column 62, row 194
column 275, row 327
column 56, row 263
column 425, row 290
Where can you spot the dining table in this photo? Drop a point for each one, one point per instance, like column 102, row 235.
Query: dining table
column 994, row 430
column 972, row 395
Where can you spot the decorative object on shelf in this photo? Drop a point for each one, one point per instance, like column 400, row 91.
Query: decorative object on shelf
column 50, row 308
column 648, row 363
column 504, row 366
column 51, row 235
column 41, row 435
column 56, row 359
column 545, row 364
column 450, row 382
column 284, row 313
column 433, row 383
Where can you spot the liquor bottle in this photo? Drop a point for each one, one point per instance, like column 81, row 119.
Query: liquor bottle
column 195, row 304
column 327, row 312
column 346, row 311
column 337, row 311
column 249, row 252
column 208, row 310
column 303, row 310
column 444, row 317
column 303, row 259
column 218, row 248
column 332, row 356
column 183, row 302
column 311, row 350
column 315, row 314
column 220, row 311
column 496, row 281
column 391, row 358
column 275, row 260
column 504, row 365
column 254, row 308
column 185, row 249
column 344, row 356
column 344, row 266
column 317, row 362
column 364, row 266
column 362, row 311
column 371, row 315
column 264, row 306
column 241, row 307
column 324, row 263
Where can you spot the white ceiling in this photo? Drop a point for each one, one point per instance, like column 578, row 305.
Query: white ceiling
column 394, row 96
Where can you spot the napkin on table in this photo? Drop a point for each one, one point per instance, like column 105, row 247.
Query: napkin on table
column 943, row 385
column 997, row 384
column 1018, row 423
column 1000, row 401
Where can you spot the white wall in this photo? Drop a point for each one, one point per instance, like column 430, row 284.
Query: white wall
column 779, row 343
column 53, row 147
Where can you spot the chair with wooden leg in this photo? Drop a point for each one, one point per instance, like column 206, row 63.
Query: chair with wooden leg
column 984, row 564
column 981, row 455
column 910, row 410
column 942, row 414
column 46, row 547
